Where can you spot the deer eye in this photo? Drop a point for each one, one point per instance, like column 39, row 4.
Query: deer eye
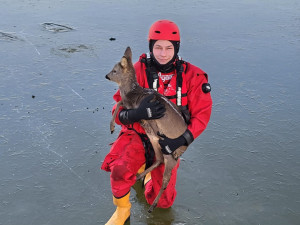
column 114, row 71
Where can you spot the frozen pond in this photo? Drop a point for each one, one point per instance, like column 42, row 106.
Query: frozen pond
column 55, row 107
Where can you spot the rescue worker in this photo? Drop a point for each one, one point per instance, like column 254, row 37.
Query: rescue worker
column 182, row 83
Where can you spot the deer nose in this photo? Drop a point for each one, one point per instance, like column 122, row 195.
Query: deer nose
column 107, row 77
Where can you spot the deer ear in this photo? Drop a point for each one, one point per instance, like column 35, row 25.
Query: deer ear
column 128, row 53
column 124, row 62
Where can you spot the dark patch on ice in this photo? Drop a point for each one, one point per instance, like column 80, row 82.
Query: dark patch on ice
column 33, row 96
column 72, row 49
column 4, row 36
column 54, row 27
column 67, row 50
column 112, row 39
column 96, row 110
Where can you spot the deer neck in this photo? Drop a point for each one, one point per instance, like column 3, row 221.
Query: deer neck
column 129, row 86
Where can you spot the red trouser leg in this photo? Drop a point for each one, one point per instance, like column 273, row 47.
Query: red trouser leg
column 153, row 186
column 126, row 156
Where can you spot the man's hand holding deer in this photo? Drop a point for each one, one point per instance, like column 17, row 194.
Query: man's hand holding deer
column 169, row 145
column 147, row 110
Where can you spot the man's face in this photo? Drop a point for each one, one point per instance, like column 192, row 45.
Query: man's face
column 163, row 51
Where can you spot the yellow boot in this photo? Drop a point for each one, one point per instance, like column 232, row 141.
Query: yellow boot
column 142, row 169
column 122, row 213
column 147, row 178
column 148, row 175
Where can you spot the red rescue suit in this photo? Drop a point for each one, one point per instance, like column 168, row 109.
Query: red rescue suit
column 127, row 153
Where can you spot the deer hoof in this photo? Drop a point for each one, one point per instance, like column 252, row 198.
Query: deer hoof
column 112, row 129
column 150, row 210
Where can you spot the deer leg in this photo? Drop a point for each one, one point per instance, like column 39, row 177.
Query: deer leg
column 112, row 122
column 170, row 163
column 152, row 167
column 158, row 156
column 178, row 152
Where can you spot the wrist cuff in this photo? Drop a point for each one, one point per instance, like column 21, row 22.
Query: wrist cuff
column 124, row 117
column 188, row 137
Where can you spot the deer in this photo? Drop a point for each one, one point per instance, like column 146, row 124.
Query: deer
column 171, row 125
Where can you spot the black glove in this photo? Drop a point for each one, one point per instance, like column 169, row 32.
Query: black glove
column 147, row 110
column 169, row 145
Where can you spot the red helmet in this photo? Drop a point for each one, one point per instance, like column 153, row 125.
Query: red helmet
column 164, row 30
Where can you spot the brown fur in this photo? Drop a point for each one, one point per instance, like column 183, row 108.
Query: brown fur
column 171, row 124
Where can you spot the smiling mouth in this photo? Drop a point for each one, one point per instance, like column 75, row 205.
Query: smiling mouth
column 163, row 61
